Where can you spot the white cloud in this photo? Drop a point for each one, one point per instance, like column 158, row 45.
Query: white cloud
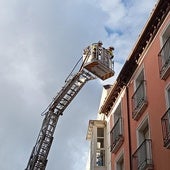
column 115, row 10
column 40, row 43
column 124, row 22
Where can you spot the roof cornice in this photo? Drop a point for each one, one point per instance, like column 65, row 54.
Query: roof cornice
column 152, row 26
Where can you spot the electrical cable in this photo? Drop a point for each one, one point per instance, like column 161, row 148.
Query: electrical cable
column 73, row 69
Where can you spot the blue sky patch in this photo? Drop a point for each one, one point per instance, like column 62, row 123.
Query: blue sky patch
column 127, row 3
column 112, row 31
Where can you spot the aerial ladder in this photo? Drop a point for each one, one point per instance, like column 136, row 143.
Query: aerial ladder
column 97, row 62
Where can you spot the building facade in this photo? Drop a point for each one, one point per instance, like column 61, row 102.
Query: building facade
column 133, row 127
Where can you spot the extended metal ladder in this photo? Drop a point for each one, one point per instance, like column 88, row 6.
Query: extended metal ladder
column 38, row 158
column 92, row 66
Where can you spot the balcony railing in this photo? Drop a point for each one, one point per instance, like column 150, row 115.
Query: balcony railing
column 164, row 60
column 139, row 100
column 116, row 136
column 142, row 158
column 165, row 120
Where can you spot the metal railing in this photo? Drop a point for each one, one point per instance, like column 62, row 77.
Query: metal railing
column 165, row 121
column 142, row 158
column 164, row 57
column 116, row 134
column 100, row 158
column 139, row 98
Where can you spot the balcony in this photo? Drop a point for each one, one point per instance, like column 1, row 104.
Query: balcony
column 164, row 60
column 165, row 121
column 116, row 136
column 139, row 101
column 142, row 158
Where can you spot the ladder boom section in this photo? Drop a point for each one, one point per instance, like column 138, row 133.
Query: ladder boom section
column 38, row 158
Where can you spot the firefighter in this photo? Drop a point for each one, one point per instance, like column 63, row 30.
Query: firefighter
column 111, row 49
column 100, row 44
column 94, row 50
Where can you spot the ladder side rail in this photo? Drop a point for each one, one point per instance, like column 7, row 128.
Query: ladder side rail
column 42, row 138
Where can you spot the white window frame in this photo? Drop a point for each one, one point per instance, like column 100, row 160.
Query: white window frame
column 166, row 96
column 119, row 158
column 163, row 35
column 167, row 101
column 101, row 149
column 137, row 75
column 142, row 124
column 116, row 111
column 163, row 38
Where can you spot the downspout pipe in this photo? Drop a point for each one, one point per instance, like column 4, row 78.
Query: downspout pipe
column 129, row 130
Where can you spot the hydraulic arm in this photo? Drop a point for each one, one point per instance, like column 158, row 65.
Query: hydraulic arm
column 99, row 64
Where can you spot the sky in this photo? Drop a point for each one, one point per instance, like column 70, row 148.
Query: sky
column 40, row 42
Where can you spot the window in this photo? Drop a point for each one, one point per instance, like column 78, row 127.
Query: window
column 143, row 132
column 120, row 163
column 100, row 132
column 100, row 151
column 142, row 158
column 100, row 138
column 97, row 135
column 168, row 108
column 168, row 96
column 166, row 44
column 117, row 113
column 116, row 134
column 139, row 101
column 165, row 121
column 139, row 79
column 164, row 54
column 100, row 158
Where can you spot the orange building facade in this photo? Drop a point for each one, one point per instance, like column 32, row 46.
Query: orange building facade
column 135, row 113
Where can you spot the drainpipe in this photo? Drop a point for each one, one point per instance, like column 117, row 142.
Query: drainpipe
column 129, row 130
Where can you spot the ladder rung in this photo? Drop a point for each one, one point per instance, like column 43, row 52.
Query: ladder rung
column 62, row 104
column 42, row 154
column 73, row 90
column 65, row 99
column 58, row 109
column 76, row 85
column 69, row 94
column 80, row 81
